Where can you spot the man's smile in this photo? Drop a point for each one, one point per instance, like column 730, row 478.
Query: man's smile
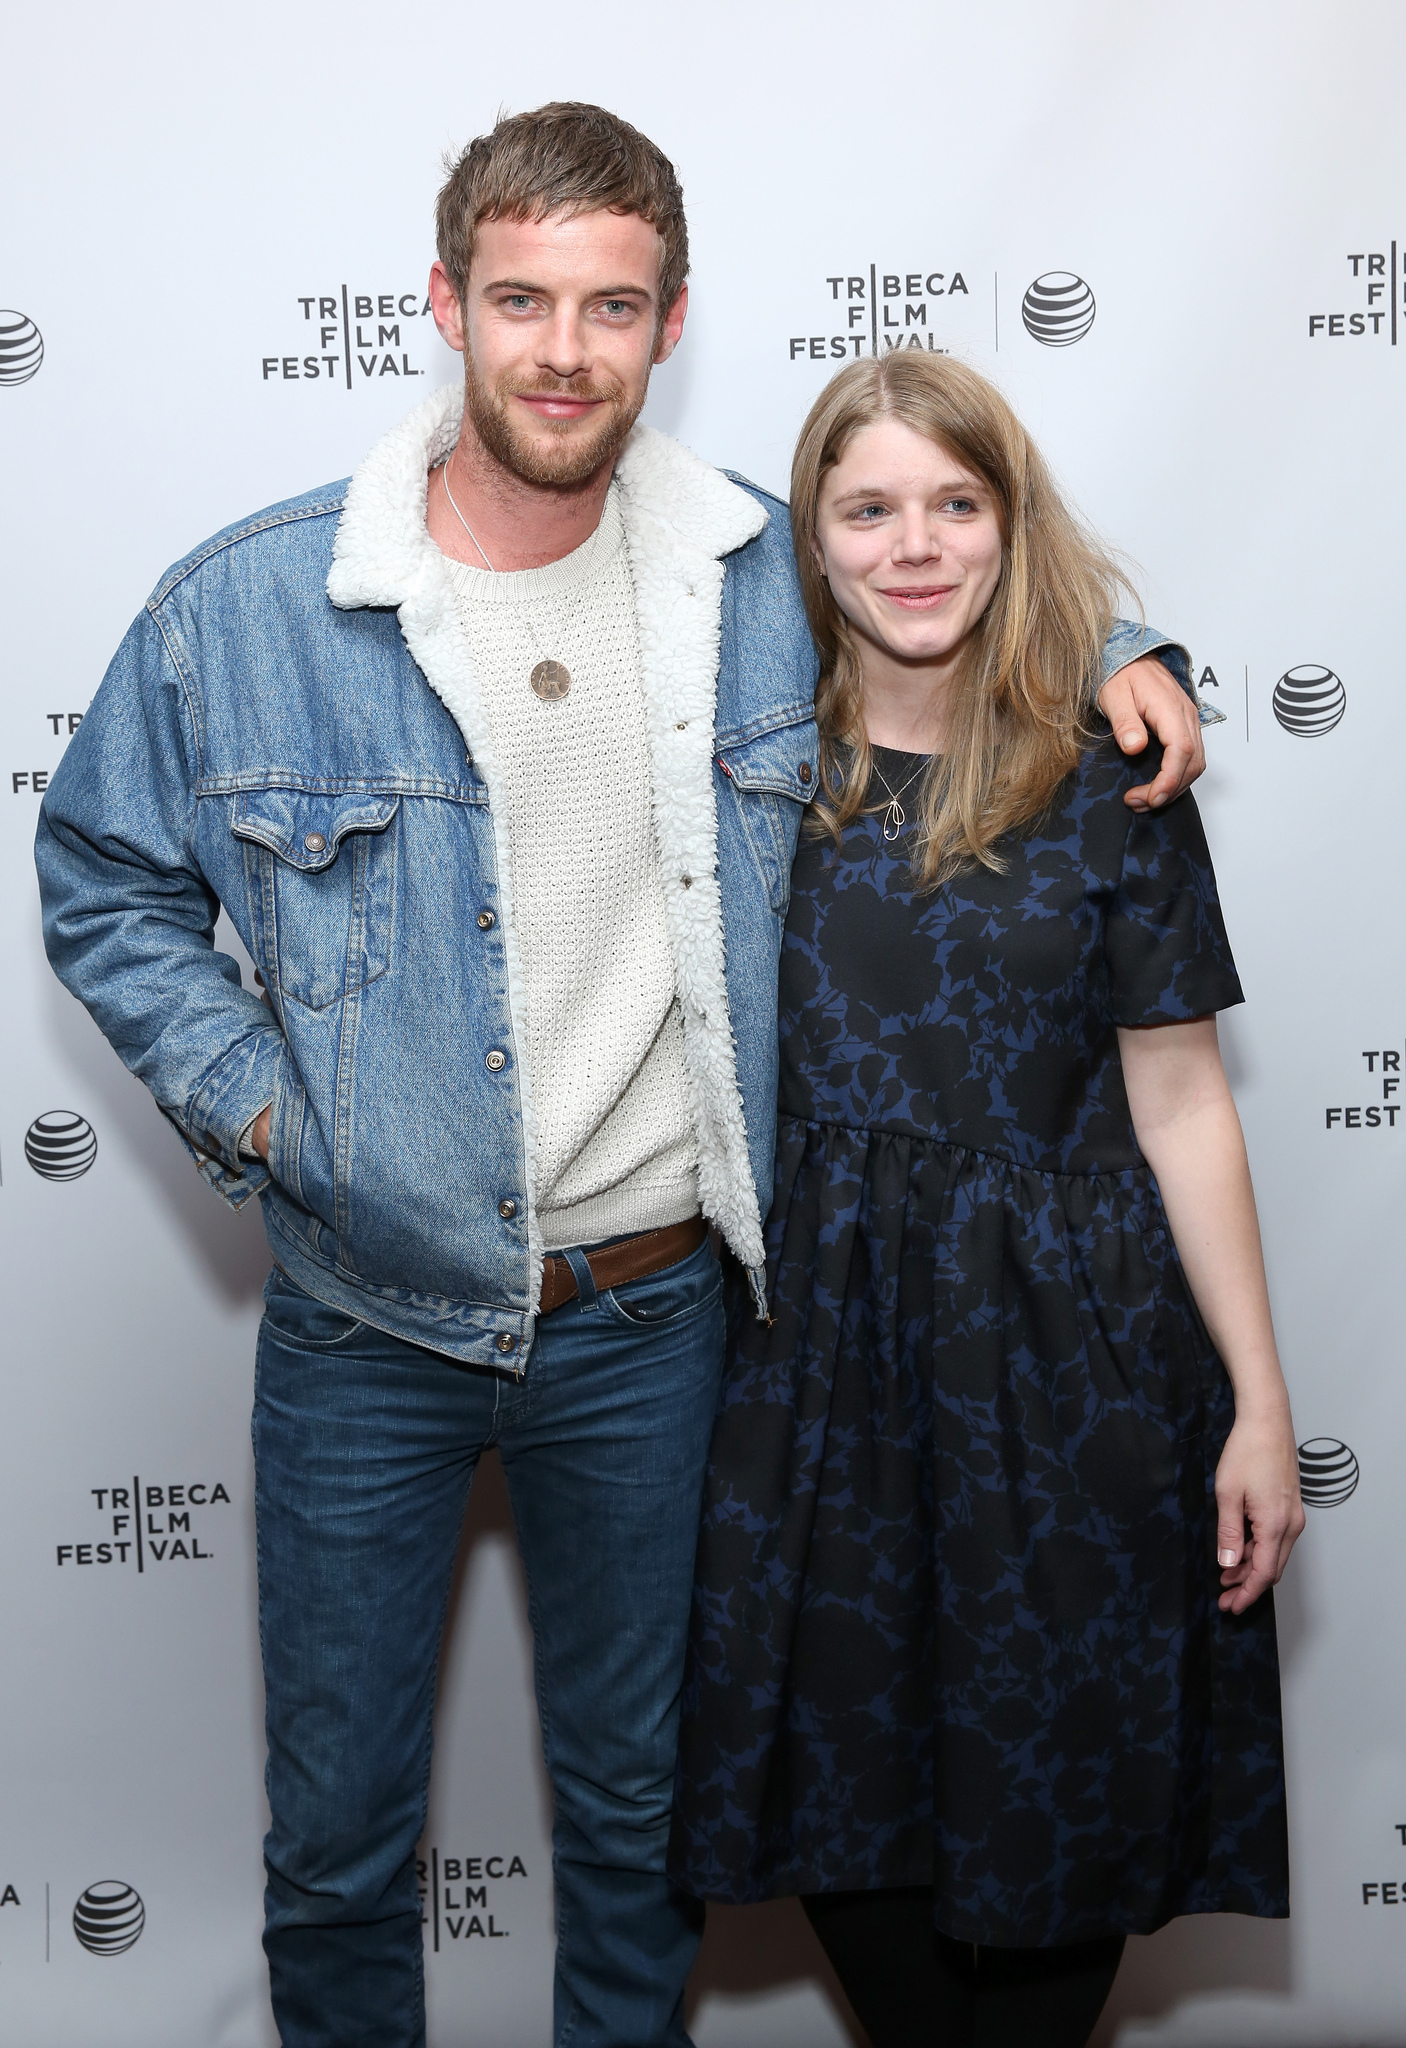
column 548, row 407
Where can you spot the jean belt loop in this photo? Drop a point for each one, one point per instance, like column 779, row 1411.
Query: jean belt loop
column 585, row 1280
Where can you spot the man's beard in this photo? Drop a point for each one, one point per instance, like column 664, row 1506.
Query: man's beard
column 560, row 465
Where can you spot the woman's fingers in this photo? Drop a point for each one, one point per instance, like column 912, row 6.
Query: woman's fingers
column 1263, row 1555
column 1230, row 1527
column 1259, row 1515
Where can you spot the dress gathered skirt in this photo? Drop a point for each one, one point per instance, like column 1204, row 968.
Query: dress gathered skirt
column 955, row 1619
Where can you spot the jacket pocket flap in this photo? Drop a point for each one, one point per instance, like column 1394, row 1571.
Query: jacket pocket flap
column 305, row 830
column 785, row 762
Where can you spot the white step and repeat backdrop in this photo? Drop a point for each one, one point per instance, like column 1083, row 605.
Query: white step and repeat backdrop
column 1177, row 236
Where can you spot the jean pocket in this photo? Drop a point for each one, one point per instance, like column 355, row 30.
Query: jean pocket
column 321, row 873
column 772, row 778
column 680, row 1291
column 300, row 1318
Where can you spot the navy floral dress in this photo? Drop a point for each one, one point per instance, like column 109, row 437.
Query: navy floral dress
column 955, row 1616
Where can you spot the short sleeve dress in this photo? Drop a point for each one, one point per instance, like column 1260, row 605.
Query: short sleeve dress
column 955, row 1615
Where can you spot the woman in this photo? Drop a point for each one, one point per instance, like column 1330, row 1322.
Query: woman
column 959, row 1654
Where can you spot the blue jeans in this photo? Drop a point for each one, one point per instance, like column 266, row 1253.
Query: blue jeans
column 364, row 1450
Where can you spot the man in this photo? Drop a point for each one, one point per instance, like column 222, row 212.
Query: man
column 495, row 757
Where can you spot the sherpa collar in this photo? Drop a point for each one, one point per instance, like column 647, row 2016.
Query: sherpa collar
column 681, row 518
column 383, row 551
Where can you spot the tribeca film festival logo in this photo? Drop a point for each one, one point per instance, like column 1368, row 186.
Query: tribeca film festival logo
column 21, row 347
column 350, row 337
column 34, row 781
column 1384, row 1071
column 147, row 1526
column 1388, row 1891
column 1328, row 1472
column 1373, row 294
column 881, row 311
column 455, row 1900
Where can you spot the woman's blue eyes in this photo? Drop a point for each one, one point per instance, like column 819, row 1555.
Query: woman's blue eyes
column 958, row 505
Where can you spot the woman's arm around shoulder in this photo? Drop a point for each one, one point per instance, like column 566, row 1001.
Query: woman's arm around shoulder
column 1190, row 1135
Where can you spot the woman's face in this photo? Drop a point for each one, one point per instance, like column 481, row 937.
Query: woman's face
column 910, row 542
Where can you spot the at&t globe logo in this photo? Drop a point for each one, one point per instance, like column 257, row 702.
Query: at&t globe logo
column 1058, row 309
column 109, row 1918
column 60, row 1145
column 1328, row 1472
column 1309, row 700
column 21, row 347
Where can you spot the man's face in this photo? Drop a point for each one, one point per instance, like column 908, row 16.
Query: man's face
column 559, row 331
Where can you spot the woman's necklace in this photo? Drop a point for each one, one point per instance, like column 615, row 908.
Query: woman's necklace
column 549, row 679
column 893, row 813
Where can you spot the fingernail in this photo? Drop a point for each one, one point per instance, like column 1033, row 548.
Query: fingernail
column 1226, row 1557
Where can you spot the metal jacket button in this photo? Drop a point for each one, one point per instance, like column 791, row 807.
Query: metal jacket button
column 508, row 1208
column 506, row 1343
column 496, row 1061
column 314, row 842
column 804, row 771
column 485, row 920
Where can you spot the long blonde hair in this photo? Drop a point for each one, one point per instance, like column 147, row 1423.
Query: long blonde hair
column 1019, row 708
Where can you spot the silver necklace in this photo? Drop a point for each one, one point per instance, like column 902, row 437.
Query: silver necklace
column 550, row 680
column 893, row 813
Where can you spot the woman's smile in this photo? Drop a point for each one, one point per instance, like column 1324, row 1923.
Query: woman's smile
column 926, row 598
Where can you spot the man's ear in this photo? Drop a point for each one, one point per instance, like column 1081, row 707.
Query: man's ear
column 672, row 327
column 446, row 307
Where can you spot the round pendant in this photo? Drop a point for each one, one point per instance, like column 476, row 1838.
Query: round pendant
column 551, row 681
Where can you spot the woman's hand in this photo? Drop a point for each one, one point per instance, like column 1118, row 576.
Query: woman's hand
column 1257, row 1482
column 1190, row 1136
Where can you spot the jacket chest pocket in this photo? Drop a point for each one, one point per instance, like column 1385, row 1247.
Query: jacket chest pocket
column 773, row 777
column 321, row 875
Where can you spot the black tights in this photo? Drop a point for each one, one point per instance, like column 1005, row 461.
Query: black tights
column 914, row 1988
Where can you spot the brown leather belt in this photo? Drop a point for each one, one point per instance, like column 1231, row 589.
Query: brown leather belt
column 633, row 1259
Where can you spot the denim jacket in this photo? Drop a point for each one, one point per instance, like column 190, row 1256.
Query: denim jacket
column 293, row 730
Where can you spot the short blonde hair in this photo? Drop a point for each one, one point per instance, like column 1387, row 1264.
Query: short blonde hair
column 1020, row 710
column 569, row 158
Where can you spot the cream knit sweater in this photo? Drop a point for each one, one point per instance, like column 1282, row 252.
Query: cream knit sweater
column 617, row 1152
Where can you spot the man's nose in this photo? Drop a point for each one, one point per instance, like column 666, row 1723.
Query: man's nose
column 561, row 346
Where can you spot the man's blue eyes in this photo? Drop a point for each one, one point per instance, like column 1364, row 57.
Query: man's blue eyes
column 519, row 302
